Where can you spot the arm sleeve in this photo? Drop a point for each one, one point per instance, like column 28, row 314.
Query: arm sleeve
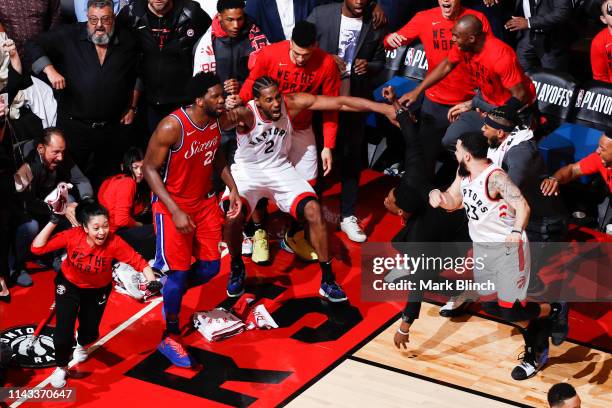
column 124, row 202
column 590, row 164
column 78, row 179
column 56, row 242
column 41, row 47
column 599, row 60
column 410, row 30
column 559, row 15
column 126, row 254
column 331, row 87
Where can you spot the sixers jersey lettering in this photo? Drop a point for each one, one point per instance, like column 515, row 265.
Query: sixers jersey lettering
column 489, row 220
column 267, row 144
column 187, row 173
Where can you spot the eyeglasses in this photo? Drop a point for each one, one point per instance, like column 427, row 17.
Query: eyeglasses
column 105, row 20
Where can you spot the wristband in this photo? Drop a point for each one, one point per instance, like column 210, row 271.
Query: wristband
column 402, row 333
column 133, row 108
column 54, row 219
column 517, row 231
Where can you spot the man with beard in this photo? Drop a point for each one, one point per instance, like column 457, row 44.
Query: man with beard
column 497, row 216
column 263, row 170
column 495, row 69
column 45, row 167
column 188, row 220
column 94, row 65
column 433, row 28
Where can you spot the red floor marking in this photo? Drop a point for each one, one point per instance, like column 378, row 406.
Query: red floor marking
column 103, row 381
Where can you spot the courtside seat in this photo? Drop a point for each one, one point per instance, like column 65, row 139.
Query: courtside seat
column 555, row 93
column 592, row 113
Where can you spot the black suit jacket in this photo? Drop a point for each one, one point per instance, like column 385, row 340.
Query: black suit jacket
column 549, row 17
column 369, row 46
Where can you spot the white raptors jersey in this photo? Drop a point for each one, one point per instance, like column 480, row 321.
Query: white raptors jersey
column 489, row 220
column 266, row 145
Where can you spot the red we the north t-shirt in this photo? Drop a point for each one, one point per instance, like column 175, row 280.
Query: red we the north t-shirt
column 89, row 266
column 495, row 69
column 435, row 32
column 601, row 56
column 320, row 76
column 592, row 164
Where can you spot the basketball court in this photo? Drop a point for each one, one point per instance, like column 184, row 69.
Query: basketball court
column 322, row 354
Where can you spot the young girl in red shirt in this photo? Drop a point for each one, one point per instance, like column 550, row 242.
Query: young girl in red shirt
column 85, row 281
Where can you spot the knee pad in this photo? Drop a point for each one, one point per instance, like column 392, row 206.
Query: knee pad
column 203, row 271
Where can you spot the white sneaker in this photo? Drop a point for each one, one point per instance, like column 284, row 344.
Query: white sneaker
column 247, row 246
column 456, row 305
column 58, row 377
column 80, row 353
column 352, row 229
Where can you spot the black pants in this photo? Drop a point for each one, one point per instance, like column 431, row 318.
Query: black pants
column 350, row 141
column 540, row 51
column 97, row 151
column 72, row 303
column 434, row 122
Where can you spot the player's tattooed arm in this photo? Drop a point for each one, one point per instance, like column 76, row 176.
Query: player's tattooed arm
column 450, row 199
column 500, row 185
column 240, row 118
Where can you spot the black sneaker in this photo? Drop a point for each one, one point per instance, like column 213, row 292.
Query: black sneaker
column 531, row 364
column 559, row 322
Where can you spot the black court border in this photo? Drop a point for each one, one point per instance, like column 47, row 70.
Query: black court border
column 349, row 356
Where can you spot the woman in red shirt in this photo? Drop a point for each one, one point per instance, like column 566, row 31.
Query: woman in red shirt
column 84, row 283
column 125, row 197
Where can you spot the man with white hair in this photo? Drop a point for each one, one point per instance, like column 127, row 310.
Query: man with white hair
column 95, row 64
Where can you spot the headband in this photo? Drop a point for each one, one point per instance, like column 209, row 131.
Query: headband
column 495, row 125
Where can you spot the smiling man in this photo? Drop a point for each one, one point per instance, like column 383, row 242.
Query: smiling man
column 95, row 62
column 433, row 28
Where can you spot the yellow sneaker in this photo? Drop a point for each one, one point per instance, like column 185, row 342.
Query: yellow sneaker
column 299, row 246
column 261, row 253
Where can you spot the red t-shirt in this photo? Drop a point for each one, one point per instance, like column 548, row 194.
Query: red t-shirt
column 117, row 193
column 592, row 164
column 435, row 32
column 601, row 56
column 319, row 76
column 495, row 69
column 87, row 266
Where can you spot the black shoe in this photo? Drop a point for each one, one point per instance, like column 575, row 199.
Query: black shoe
column 559, row 322
column 5, row 298
column 531, row 363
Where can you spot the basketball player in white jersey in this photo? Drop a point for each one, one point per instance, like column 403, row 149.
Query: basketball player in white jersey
column 497, row 216
column 262, row 170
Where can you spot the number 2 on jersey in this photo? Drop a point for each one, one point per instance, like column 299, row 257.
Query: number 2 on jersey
column 269, row 146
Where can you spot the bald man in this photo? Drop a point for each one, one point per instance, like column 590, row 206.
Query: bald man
column 498, row 75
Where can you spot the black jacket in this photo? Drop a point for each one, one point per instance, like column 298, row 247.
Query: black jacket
column 166, row 65
column 550, row 17
column 232, row 54
column 44, row 181
column 327, row 18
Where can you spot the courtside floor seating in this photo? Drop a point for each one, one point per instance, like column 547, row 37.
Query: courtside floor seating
column 591, row 114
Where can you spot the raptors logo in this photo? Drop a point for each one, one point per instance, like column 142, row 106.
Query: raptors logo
column 60, row 289
column 25, row 352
